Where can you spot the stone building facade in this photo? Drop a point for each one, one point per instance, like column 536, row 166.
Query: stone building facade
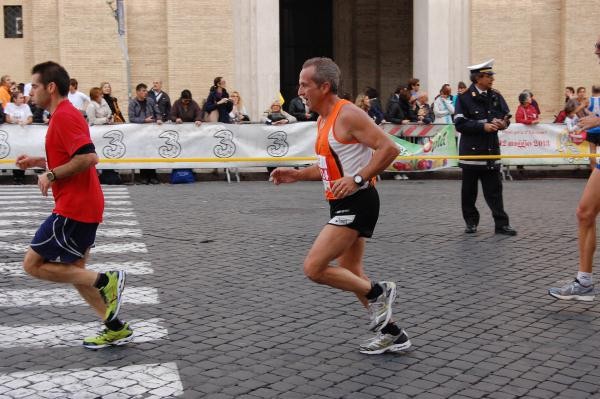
column 541, row 45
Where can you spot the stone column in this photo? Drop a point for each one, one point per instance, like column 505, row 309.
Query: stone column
column 256, row 53
column 441, row 43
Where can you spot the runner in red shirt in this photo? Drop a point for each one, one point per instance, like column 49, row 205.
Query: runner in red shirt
column 61, row 246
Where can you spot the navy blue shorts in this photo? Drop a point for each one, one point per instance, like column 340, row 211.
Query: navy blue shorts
column 60, row 239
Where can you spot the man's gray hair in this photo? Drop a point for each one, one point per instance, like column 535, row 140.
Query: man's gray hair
column 325, row 71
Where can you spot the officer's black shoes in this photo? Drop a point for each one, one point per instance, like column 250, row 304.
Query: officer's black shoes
column 471, row 229
column 506, row 230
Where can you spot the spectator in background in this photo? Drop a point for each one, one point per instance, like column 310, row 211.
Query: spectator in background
column 98, row 112
column 77, row 98
column 423, row 110
column 594, row 106
column 161, row 99
column 364, row 102
column 414, row 86
column 583, row 102
column 185, row 109
column 376, row 107
column 112, row 103
column 27, row 92
column 218, row 100
column 143, row 110
column 238, row 113
column 2, row 115
column 395, row 112
column 17, row 112
column 5, row 83
column 569, row 93
column 443, row 107
column 277, row 116
column 526, row 112
column 534, row 102
column 300, row 110
column 572, row 120
column 460, row 89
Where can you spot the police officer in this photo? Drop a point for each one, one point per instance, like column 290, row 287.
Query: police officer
column 480, row 113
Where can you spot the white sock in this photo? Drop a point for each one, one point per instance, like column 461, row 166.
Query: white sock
column 584, row 278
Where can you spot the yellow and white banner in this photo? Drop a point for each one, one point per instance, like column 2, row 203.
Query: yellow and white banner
column 541, row 139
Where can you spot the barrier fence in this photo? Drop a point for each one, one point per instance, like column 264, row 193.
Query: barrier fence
column 215, row 145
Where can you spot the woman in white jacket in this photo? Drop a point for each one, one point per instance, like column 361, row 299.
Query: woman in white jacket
column 443, row 108
column 98, row 112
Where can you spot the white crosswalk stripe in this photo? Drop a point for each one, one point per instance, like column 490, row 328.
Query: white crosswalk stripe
column 70, row 334
column 45, row 213
column 150, row 381
column 116, row 248
column 15, row 269
column 36, row 222
column 22, row 210
column 102, row 232
column 69, row 297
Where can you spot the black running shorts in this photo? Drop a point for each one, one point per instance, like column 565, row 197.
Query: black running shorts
column 358, row 211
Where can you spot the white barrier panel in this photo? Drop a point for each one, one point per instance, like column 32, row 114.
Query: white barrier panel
column 548, row 138
column 211, row 145
column 215, row 145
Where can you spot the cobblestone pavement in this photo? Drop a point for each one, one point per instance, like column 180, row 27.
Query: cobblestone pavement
column 221, row 308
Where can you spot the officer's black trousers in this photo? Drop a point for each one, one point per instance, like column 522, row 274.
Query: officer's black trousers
column 491, row 183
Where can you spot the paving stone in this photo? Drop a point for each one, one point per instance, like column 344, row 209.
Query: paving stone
column 244, row 322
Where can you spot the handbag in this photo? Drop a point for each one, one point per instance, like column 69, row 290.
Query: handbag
column 182, row 176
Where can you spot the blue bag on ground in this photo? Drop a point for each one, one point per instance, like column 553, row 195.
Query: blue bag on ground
column 179, row 176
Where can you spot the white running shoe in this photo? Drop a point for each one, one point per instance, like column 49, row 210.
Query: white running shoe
column 386, row 343
column 380, row 308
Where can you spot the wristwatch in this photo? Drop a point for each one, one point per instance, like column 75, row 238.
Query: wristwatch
column 51, row 176
column 358, row 179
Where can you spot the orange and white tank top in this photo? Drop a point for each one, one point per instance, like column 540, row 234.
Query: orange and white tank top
column 337, row 158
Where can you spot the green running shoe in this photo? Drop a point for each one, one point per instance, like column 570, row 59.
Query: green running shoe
column 111, row 293
column 109, row 338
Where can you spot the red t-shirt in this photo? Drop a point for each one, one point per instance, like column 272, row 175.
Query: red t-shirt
column 526, row 114
column 78, row 197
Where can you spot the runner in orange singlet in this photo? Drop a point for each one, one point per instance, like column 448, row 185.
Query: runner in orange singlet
column 351, row 152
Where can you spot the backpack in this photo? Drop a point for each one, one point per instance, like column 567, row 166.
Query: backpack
column 182, row 176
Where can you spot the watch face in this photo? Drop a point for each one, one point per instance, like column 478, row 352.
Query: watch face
column 358, row 179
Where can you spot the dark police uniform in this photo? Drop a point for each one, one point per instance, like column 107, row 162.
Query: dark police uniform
column 473, row 109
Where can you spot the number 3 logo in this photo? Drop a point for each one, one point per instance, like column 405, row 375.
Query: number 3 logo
column 226, row 147
column 115, row 147
column 172, row 148
column 280, row 146
column 4, row 146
